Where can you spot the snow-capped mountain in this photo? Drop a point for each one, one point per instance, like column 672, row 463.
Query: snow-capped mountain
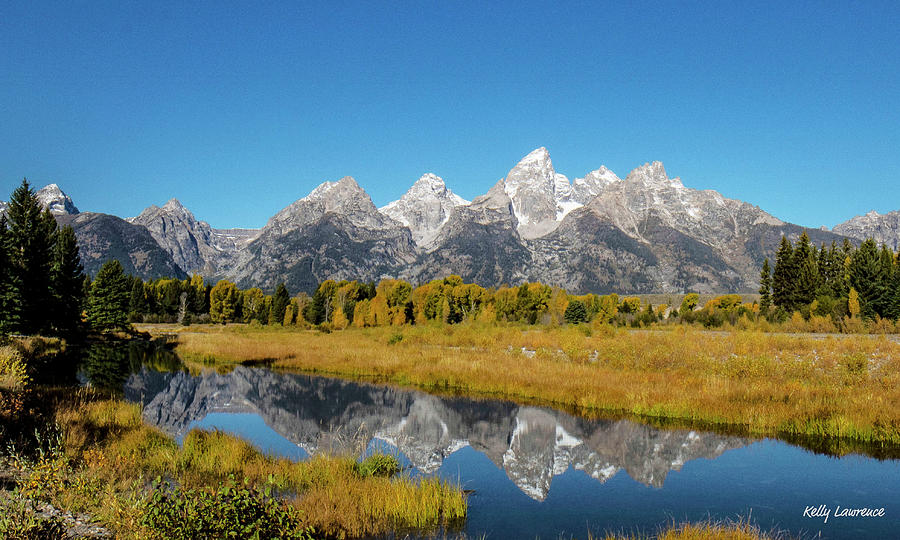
column 55, row 200
column 344, row 198
column 540, row 197
column 424, row 208
column 883, row 228
column 335, row 232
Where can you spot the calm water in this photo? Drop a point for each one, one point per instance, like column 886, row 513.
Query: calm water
column 533, row 471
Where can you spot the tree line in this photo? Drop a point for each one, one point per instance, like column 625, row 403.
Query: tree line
column 390, row 302
column 835, row 281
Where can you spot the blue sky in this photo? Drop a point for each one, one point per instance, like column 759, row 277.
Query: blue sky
column 238, row 109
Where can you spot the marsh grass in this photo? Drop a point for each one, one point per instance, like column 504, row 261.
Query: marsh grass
column 740, row 529
column 106, row 459
column 841, row 390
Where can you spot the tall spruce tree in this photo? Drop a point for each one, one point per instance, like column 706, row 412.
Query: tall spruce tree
column 765, row 288
column 280, row 303
column 807, row 268
column 10, row 301
column 784, row 278
column 67, row 275
column 870, row 278
column 109, row 298
column 33, row 237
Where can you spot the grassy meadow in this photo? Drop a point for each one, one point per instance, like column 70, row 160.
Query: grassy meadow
column 834, row 392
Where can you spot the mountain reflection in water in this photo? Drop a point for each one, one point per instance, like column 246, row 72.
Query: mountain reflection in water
column 531, row 444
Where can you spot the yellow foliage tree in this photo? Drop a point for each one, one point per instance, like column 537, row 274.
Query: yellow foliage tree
column 339, row 319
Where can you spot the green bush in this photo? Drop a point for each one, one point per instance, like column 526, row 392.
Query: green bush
column 378, row 465
column 395, row 338
column 231, row 511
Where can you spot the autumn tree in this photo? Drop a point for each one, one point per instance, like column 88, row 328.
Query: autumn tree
column 223, row 302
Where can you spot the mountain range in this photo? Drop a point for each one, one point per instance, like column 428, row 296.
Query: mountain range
column 600, row 233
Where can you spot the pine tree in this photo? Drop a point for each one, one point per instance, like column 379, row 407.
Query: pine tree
column 807, row 268
column 10, row 301
column 868, row 276
column 109, row 298
column 67, row 277
column 280, row 303
column 765, row 288
column 784, row 278
column 33, row 235
column 575, row 312
column 137, row 304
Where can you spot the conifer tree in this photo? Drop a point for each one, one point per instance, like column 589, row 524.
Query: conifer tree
column 33, row 235
column 784, row 278
column 807, row 269
column 10, row 301
column 868, row 276
column 67, row 277
column 280, row 303
column 765, row 288
column 109, row 298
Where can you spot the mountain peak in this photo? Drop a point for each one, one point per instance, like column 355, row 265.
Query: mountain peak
column 537, row 155
column 54, row 199
column 425, row 207
column 173, row 204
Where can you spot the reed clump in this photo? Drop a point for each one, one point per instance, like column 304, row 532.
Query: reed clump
column 709, row 530
column 834, row 387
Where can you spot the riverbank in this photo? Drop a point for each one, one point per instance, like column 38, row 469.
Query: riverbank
column 87, row 455
column 836, row 394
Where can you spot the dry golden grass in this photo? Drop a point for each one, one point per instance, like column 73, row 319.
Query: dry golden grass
column 837, row 388
column 705, row 531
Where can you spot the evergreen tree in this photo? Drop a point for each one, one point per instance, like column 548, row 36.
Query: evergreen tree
column 575, row 312
column 869, row 277
column 109, row 298
column 280, row 303
column 10, row 301
column 33, row 236
column 807, row 269
column 137, row 304
column 67, row 277
column 765, row 288
column 784, row 278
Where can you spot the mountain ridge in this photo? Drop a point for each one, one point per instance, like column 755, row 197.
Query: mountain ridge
column 646, row 232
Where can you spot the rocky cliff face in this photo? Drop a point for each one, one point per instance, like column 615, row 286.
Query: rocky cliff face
column 883, row 228
column 195, row 247
column 532, row 445
column 102, row 237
